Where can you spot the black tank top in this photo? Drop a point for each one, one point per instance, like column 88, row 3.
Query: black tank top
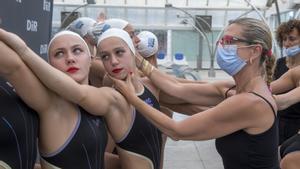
column 18, row 130
column 85, row 147
column 241, row 150
column 143, row 137
column 292, row 112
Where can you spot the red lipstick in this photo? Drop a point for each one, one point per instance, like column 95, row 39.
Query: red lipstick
column 72, row 70
column 117, row 70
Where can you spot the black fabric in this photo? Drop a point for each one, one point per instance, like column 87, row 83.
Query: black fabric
column 287, row 128
column 86, row 148
column 144, row 138
column 241, row 150
column 18, row 130
column 289, row 119
column 290, row 145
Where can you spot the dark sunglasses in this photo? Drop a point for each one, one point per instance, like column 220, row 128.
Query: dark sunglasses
column 228, row 40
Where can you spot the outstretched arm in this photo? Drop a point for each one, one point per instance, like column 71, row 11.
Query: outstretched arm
column 84, row 95
column 287, row 99
column 222, row 119
column 27, row 85
column 283, row 84
column 204, row 94
column 187, row 109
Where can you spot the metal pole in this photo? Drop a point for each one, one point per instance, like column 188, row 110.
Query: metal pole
column 222, row 31
column 274, row 45
column 297, row 14
column 277, row 11
column 211, row 72
column 70, row 14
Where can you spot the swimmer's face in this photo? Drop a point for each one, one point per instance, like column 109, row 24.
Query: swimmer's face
column 70, row 54
column 116, row 56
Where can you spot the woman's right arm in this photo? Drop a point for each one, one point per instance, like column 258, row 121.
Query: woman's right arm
column 27, row 85
column 87, row 96
column 204, row 94
column 218, row 121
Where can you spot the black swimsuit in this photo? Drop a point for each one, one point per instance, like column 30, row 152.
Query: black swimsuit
column 85, row 147
column 290, row 145
column 18, row 130
column 241, row 150
column 143, row 138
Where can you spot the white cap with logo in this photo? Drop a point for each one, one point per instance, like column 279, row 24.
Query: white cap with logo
column 148, row 45
column 81, row 25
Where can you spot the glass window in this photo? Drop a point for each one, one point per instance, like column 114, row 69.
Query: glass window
column 177, row 2
column 217, row 17
column 116, row 13
column 196, row 3
column 172, row 16
column 135, row 2
column 186, row 42
column 93, row 11
column 136, row 16
column 233, row 15
column 115, row 2
column 155, row 17
column 154, row 3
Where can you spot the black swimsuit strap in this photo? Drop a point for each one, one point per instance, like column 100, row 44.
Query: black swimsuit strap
column 226, row 93
column 266, row 101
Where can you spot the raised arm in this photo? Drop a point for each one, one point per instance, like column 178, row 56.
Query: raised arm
column 94, row 100
column 27, row 85
column 204, row 94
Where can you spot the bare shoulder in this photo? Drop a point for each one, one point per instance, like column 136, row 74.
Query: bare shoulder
column 246, row 103
column 224, row 85
column 242, row 100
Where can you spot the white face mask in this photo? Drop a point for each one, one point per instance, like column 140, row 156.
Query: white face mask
column 291, row 51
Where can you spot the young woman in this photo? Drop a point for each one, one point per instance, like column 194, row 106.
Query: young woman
column 288, row 36
column 139, row 142
column 69, row 137
column 244, row 125
column 290, row 148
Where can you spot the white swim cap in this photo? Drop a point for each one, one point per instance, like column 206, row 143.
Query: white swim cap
column 99, row 28
column 148, row 44
column 116, row 23
column 114, row 32
column 81, row 25
column 67, row 32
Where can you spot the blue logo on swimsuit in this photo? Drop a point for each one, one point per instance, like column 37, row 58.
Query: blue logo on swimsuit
column 149, row 101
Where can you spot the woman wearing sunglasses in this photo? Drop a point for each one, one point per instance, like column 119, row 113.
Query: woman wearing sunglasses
column 244, row 125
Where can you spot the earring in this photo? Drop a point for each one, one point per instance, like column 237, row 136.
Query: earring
column 250, row 60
